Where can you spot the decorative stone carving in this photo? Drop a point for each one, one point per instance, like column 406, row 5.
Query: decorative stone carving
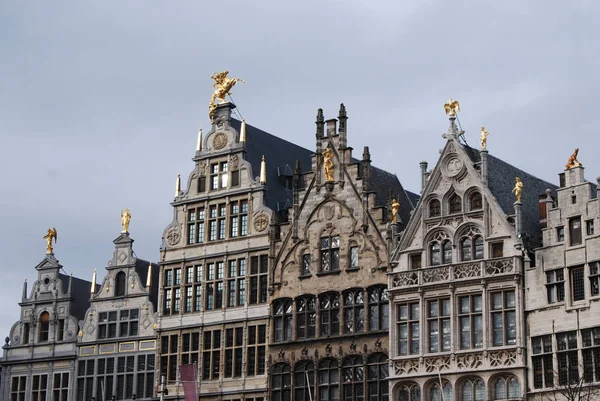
column 234, row 162
column 281, row 355
column 465, row 182
column 261, row 222
column 499, row 266
column 453, row 222
column 329, row 211
column 353, row 346
column 469, row 361
column 437, row 363
column 378, row 345
column 444, row 185
column 304, row 353
column 502, row 358
column 406, row 367
column 219, row 141
column 467, row 270
column 405, row 279
column 436, row 274
column 454, row 166
column 173, row 235
column 328, row 349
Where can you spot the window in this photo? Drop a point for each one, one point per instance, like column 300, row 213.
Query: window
column 304, row 381
column 255, row 357
column 329, row 311
column 18, row 387
column 354, row 311
column 377, row 385
column 591, row 354
column 218, row 175
column 577, row 283
column 575, row 231
column 145, row 376
column 555, row 285
column 238, row 221
column 434, row 208
column 543, row 371
column 61, row 387
column 408, row 328
column 589, row 227
column 379, row 309
column 39, row 387
column 306, row 316
column 235, row 178
column 446, row 252
column 196, row 225
column 175, row 289
column 470, row 321
column 192, row 289
column 594, row 278
column 212, row 223
column 125, row 375
column 471, row 245
column 436, row 395
column 475, row 201
column 221, row 222
column 353, row 373
column 202, row 184
column 473, row 390
column 168, row 356
column 305, row 265
column 258, row 279
column 236, row 283
column 60, row 330
column 105, row 376
column 44, row 326
column 353, row 257
column 25, row 333
column 504, row 320
column 568, row 367
column 438, row 322
column 434, row 251
column 409, row 392
column 85, row 379
column 497, row 250
column 281, row 383
column 506, row 388
column 560, row 234
column 233, row 352
column 113, row 324
column 214, row 285
column 330, row 254
column 211, row 357
column 415, row 261
column 455, row 204
column 190, row 344
column 282, row 319
column 120, row 284
column 329, row 380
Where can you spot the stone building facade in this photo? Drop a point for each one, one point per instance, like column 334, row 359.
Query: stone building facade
column 562, row 292
column 116, row 346
column 329, row 306
column 457, row 290
column 39, row 360
column 213, row 299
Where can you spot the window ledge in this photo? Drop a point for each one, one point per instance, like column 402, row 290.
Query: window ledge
column 335, row 272
column 304, row 276
column 353, row 269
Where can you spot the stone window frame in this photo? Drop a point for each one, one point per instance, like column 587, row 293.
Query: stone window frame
column 575, row 231
column 39, row 387
column 120, row 284
column 473, row 314
column 434, row 208
column 503, row 318
column 411, row 321
column 281, row 381
column 475, row 201
column 439, row 319
column 256, row 349
column 474, row 383
column 211, row 353
column 542, row 361
column 354, row 311
column 60, row 386
column 308, row 315
column 282, row 312
column 577, row 283
column 378, row 306
column 436, row 394
column 219, row 175
column 555, row 285
column 302, row 370
column 411, row 391
column 44, row 327
column 455, row 204
column 233, row 350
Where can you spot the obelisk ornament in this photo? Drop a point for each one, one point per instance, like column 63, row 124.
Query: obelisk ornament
column 222, row 85
column 483, row 138
column 518, row 189
column 125, row 219
column 48, row 237
column 452, row 107
column 395, row 206
column 328, row 164
column 573, row 162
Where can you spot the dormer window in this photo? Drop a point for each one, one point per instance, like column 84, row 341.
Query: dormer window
column 120, row 284
column 434, row 208
column 455, row 204
column 218, row 175
column 475, row 201
column 44, row 327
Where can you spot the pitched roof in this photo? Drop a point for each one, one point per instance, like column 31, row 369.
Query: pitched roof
column 141, row 268
column 80, row 292
column 382, row 182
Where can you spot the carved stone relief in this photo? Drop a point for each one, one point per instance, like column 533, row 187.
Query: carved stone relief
column 219, row 141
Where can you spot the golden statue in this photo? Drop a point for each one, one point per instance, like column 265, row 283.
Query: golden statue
column 328, row 164
column 518, row 188
column 222, row 85
column 125, row 219
column 48, row 237
column 483, row 138
column 573, row 162
column 395, row 206
column 452, row 107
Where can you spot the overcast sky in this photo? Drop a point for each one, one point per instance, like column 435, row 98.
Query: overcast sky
column 100, row 101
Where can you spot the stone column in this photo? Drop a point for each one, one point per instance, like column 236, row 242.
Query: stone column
column 484, row 168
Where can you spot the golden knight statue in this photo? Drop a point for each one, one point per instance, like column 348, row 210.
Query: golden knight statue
column 452, row 107
column 395, row 206
column 48, row 237
column 328, row 164
column 573, row 162
column 222, row 85
column 518, row 189
column 125, row 219
column 483, row 138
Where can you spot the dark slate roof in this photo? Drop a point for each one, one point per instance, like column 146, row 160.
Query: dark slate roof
column 80, row 292
column 414, row 198
column 501, row 181
column 278, row 153
column 382, row 183
column 141, row 268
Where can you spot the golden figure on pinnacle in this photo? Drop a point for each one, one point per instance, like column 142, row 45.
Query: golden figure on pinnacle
column 452, row 107
column 518, row 189
column 573, row 162
column 222, row 85
column 48, row 237
column 328, row 164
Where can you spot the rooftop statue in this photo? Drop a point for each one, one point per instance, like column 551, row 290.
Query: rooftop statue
column 222, row 85
column 48, row 237
column 573, row 162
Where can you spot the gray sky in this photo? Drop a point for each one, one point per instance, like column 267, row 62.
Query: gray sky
column 100, row 101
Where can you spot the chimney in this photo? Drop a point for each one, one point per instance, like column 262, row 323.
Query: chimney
column 424, row 175
column 483, row 153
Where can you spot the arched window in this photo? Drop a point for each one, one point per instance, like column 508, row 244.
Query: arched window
column 473, row 390
column 354, row 311
column 434, row 208
column 329, row 380
column 506, row 388
column 465, row 249
column 475, row 201
column 303, row 388
column 446, row 252
column 282, row 319
column 329, row 311
column 281, row 382
column 455, row 204
column 436, row 395
column 478, row 247
column 377, row 386
column 409, row 392
column 120, row 284
column 434, row 253
column 353, row 373
column 471, row 245
column 44, row 326
column 306, row 316
column 379, row 309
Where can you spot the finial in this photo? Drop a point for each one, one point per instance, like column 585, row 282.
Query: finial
column 342, row 110
column 518, row 188
column 452, row 107
column 320, row 117
column 178, row 186
column 24, row 295
column 298, row 168
column 222, row 85
column 199, row 143
column 243, row 131
column 263, row 171
column 149, row 277
column 366, row 153
column 48, row 237
column 70, row 283
column 573, row 162
column 125, row 219
column 93, row 288
column 483, row 138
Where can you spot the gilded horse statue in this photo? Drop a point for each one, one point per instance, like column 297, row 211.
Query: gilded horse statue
column 222, row 85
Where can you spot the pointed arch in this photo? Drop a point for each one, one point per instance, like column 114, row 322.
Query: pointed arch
column 120, row 284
